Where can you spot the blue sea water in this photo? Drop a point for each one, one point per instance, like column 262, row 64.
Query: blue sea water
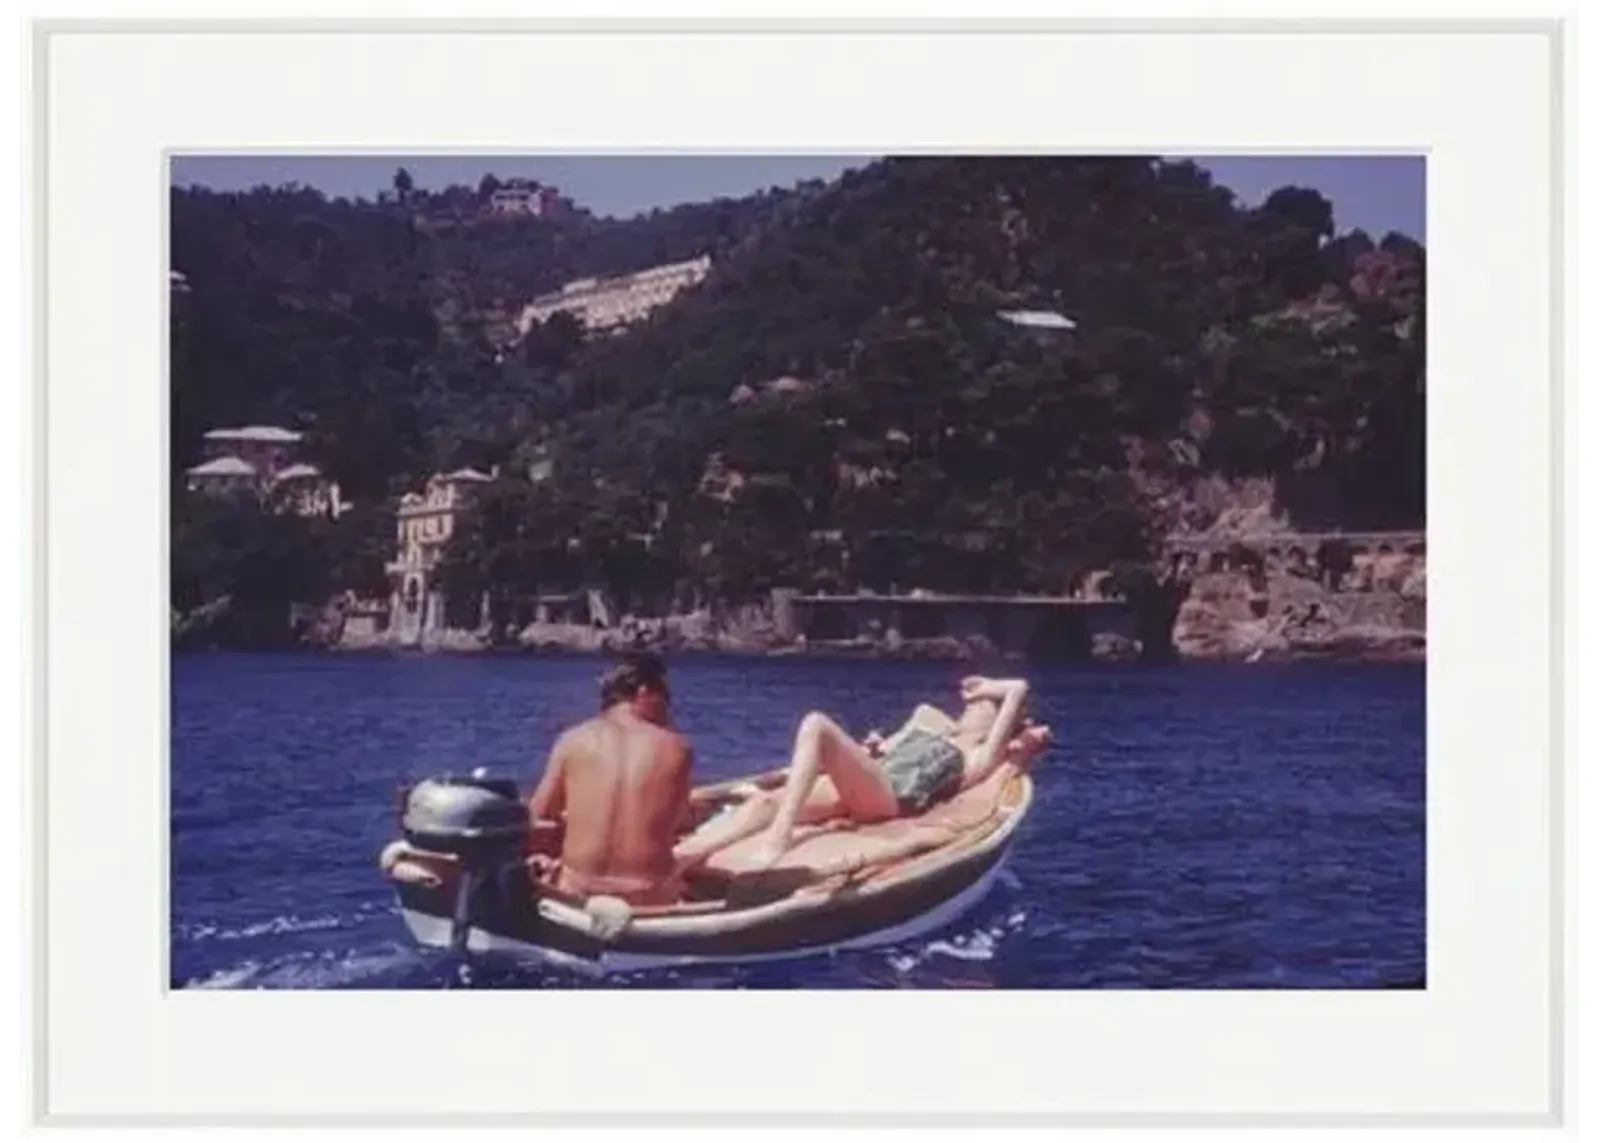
column 1195, row 826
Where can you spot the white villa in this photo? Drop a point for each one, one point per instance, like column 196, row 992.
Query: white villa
column 261, row 459
column 524, row 196
column 425, row 522
column 610, row 303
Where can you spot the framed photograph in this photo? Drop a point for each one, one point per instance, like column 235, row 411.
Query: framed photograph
column 931, row 574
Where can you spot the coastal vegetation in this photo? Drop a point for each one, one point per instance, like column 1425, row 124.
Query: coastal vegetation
column 839, row 405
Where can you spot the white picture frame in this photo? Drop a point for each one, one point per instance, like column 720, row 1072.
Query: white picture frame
column 1483, row 1044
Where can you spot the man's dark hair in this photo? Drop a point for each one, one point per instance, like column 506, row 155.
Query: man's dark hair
column 638, row 671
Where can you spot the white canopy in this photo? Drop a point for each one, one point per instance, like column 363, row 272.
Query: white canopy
column 224, row 466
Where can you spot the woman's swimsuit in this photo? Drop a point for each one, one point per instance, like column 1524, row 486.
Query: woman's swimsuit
column 921, row 768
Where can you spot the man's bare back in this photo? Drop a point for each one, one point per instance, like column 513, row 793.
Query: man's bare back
column 621, row 782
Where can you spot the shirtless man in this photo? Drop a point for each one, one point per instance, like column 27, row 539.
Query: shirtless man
column 621, row 781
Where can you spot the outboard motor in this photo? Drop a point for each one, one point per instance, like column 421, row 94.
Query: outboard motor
column 479, row 820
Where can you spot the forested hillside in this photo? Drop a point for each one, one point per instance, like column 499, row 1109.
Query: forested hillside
column 838, row 404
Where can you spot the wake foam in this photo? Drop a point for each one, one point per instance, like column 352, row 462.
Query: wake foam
column 386, row 967
column 275, row 926
column 980, row 944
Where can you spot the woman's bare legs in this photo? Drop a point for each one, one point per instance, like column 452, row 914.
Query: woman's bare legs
column 821, row 747
column 823, row 802
column 752, row 816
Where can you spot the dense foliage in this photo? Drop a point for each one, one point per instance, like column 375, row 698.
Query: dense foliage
column 838, row 404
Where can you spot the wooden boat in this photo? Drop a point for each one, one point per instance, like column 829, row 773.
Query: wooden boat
column 471, row 887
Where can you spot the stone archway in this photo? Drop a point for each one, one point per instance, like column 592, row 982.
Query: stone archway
column 407, row 607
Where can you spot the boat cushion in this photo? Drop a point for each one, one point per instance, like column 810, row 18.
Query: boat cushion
column 837, row 847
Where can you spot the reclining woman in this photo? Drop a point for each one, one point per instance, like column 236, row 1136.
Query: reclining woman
column 831, row 775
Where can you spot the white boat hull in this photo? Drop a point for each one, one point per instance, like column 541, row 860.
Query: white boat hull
column 435, row 932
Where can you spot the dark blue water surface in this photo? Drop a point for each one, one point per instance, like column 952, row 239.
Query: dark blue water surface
column 1195, row 827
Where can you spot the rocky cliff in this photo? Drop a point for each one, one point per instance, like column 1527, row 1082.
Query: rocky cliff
column 1375, row 611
